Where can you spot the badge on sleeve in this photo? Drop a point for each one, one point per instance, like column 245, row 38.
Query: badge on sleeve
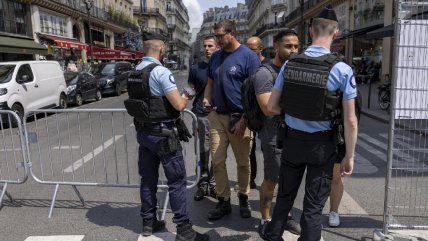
column 171, row 79
column 352, row 82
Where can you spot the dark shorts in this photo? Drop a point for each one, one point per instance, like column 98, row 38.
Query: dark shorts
column 271, row 154
column 341, row 152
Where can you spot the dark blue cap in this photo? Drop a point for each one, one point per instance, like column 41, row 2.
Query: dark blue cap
column 328, row 13
column 152, row 36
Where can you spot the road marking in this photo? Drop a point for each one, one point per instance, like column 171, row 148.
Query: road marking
column 65, row 147
column 402, row 143
column 56, row 238
column 77, row 164
column 406, row 138
column 166, row 236
column 363, row 166
column 348, row 205
column 10, row 149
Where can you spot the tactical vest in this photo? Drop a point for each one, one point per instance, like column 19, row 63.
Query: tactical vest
column 305, row 94
column 142, row 104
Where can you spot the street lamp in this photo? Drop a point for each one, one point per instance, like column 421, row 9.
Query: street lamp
column 89, row 4
column 302, row 25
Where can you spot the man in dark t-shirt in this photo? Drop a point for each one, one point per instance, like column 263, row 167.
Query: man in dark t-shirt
column 227, row 70
column 198, row 78
column 285, row 43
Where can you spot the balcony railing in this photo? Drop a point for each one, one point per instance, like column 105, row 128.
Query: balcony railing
column 96, row 13
column 156, row 30
column 306, row 6
column 268, row 26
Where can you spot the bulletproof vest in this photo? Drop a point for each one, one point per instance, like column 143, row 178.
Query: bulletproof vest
column 142, row 104
column 305, row 94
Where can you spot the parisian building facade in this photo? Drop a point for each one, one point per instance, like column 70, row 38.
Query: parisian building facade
column 238, row 14
column 65, row 28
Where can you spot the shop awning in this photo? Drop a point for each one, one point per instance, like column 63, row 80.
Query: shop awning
column 105, row 53
column 360, row 32
column 387, row 31
column 135, row 54
column 21, row 46
column 62, row 42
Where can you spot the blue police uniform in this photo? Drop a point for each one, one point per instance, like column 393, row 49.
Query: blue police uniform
column 316, row 154
column 161, row 81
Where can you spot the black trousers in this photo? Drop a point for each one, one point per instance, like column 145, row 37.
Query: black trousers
column 317, row 158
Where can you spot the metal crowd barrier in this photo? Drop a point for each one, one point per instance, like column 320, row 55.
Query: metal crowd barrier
column 12, row 158
column 406, row 185
column 88, row 147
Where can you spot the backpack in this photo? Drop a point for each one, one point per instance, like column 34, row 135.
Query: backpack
column 252, row 110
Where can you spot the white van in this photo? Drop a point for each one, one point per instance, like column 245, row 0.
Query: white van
column 31, row 85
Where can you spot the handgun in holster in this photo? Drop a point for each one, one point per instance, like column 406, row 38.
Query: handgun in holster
column 338, row 132
column 281, row 134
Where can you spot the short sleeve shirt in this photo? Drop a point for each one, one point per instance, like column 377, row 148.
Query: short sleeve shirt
column 161, row 80
column 198, row 76
column 341, row 78
column 237, row 66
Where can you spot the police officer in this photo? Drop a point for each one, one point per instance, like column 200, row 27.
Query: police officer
column 155, row 104
column 309, row 89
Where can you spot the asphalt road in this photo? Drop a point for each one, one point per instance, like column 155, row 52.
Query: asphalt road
column 100, row 148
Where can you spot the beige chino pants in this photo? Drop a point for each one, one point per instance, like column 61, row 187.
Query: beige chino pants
column 220, row 138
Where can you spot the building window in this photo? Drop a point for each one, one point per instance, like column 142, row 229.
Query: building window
column 13, row 17
column 51, row 24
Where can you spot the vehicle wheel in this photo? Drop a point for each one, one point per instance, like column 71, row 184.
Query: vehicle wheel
column 62, row 102
column 117, row 90
column 17, row 108
column 79, row 100
column 98, row 95
column 383, row 100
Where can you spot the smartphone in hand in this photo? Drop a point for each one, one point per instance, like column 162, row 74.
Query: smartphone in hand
column 189, row 92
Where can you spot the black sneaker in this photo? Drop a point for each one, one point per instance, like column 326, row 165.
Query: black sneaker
column 244, row 206
column 292, row 226
column 262, row 228
column 200, row 193
column 221, row 209
column 253, row 184
column 185, row 232
column 151, row 226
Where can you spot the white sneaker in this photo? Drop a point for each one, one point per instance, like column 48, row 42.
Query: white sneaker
column 333, row 219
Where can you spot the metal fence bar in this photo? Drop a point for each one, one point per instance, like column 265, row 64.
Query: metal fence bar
column 104, row 139
column 13, row 168
column 406, row 183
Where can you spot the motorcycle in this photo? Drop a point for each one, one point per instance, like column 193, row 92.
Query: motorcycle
column 384, row 96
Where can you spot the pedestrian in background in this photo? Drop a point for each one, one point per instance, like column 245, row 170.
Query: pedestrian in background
column 301, row 90
column 159, row 129
column 198, row 78
column 285, row 44
column 255, row 44
column 227, row 70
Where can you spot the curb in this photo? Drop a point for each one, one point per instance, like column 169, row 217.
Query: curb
column 375, row 117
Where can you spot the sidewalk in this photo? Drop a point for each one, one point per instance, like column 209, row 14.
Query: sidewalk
column 373, row 110
column 418, row 126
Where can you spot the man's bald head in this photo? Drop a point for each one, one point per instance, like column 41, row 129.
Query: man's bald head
column 255, row 44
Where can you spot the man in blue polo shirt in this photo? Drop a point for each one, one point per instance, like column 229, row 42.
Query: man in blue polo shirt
column 227, row 70
column 310, row 88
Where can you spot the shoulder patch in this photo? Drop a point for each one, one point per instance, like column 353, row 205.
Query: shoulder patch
column 171, row 79
column 352, row 82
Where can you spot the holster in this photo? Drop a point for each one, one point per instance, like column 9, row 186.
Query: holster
column 168, row 145
column 281, row 134
column 338, row 133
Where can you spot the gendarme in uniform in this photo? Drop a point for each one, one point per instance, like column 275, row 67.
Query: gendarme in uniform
column 158, row 130
column 303, row 82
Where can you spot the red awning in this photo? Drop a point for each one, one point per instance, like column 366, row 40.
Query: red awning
column 136, row 54
column 105, row 53
column 67, row 43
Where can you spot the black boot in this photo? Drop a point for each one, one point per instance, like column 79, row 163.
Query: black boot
column 223, row 207
column 244, row 206
column 185, row 232
column 151, row 226
column 200, row 193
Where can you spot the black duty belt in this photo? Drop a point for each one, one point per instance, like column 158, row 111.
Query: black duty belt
column 315, row 136
column 162, row 132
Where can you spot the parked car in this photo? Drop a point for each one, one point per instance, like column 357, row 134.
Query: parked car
column 112, row 77
column 81, row 86
column 31, row 85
